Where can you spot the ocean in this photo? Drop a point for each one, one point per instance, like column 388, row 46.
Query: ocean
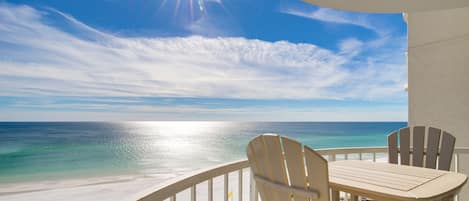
column 44, row 151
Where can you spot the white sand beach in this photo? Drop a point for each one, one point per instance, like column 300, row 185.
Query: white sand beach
column 118, row 188
column 106, row 188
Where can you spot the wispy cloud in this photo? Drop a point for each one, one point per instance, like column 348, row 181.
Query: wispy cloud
column 336, row 16
column 351, row 47
column 39, row 59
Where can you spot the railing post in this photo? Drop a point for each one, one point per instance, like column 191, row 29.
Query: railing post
column 240, row 185
column 335, row 195
column 226, row 187
column 332, row 157
column 345, row 196
column 193, row 195
column 456, row 169
column 253, row 190
column 210, row 189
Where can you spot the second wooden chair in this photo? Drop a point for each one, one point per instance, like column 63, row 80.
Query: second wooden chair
column 430, row 156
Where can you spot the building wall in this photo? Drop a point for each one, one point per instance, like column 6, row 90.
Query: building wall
column 438, row 60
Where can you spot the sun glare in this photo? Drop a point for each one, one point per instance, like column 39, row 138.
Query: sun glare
column 176, row 137
column 193, row 8
column 179, row 128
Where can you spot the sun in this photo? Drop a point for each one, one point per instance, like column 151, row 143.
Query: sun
column 201, row 4
column 190, row 8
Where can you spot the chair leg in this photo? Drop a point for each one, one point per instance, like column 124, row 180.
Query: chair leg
column 335, row 195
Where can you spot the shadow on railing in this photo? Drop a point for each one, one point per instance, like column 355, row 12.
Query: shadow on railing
column 201, row 185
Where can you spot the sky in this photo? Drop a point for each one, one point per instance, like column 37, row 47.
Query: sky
column 224, row 60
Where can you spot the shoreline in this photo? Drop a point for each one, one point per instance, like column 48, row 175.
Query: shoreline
column 82, row 187
column 108, row 188
column 34, row 186
column 122, row 188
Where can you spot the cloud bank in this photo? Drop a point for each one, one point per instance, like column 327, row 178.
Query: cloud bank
column 40, row 59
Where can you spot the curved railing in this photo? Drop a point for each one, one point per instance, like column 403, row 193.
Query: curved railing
column 172, row 187
column 191, row 182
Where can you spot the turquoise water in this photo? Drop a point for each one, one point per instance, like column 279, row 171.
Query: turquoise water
column 58, row 150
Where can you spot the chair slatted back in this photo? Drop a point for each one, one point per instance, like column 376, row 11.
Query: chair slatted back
column 422, row 156
column 283, row 171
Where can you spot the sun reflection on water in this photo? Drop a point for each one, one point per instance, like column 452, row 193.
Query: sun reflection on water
column 181, row 128
column 172, row 144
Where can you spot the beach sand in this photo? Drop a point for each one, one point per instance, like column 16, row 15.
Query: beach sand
column 118, row 188
column 106, row 188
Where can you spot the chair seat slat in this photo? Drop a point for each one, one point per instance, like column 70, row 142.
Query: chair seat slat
column 318, row 173
column 418, row 146
column 404, row 146
column 432, row 147
column 446, row 151
column 276, row 165
column 392, row 148
column 257, row 162
column 295, row 165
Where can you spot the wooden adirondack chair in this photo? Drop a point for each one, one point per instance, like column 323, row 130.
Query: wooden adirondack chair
column 280, row 165
column 430, row 155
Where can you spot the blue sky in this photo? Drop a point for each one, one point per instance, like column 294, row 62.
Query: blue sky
column 242, row 60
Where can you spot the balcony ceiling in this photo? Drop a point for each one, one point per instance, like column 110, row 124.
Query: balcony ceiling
column 390, row 6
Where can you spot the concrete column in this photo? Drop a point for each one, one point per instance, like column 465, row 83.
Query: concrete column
column 438, row 60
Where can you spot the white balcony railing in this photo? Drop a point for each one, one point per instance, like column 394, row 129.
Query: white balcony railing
column 201, row 186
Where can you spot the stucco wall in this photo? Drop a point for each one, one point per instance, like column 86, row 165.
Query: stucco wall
column 438, row 59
